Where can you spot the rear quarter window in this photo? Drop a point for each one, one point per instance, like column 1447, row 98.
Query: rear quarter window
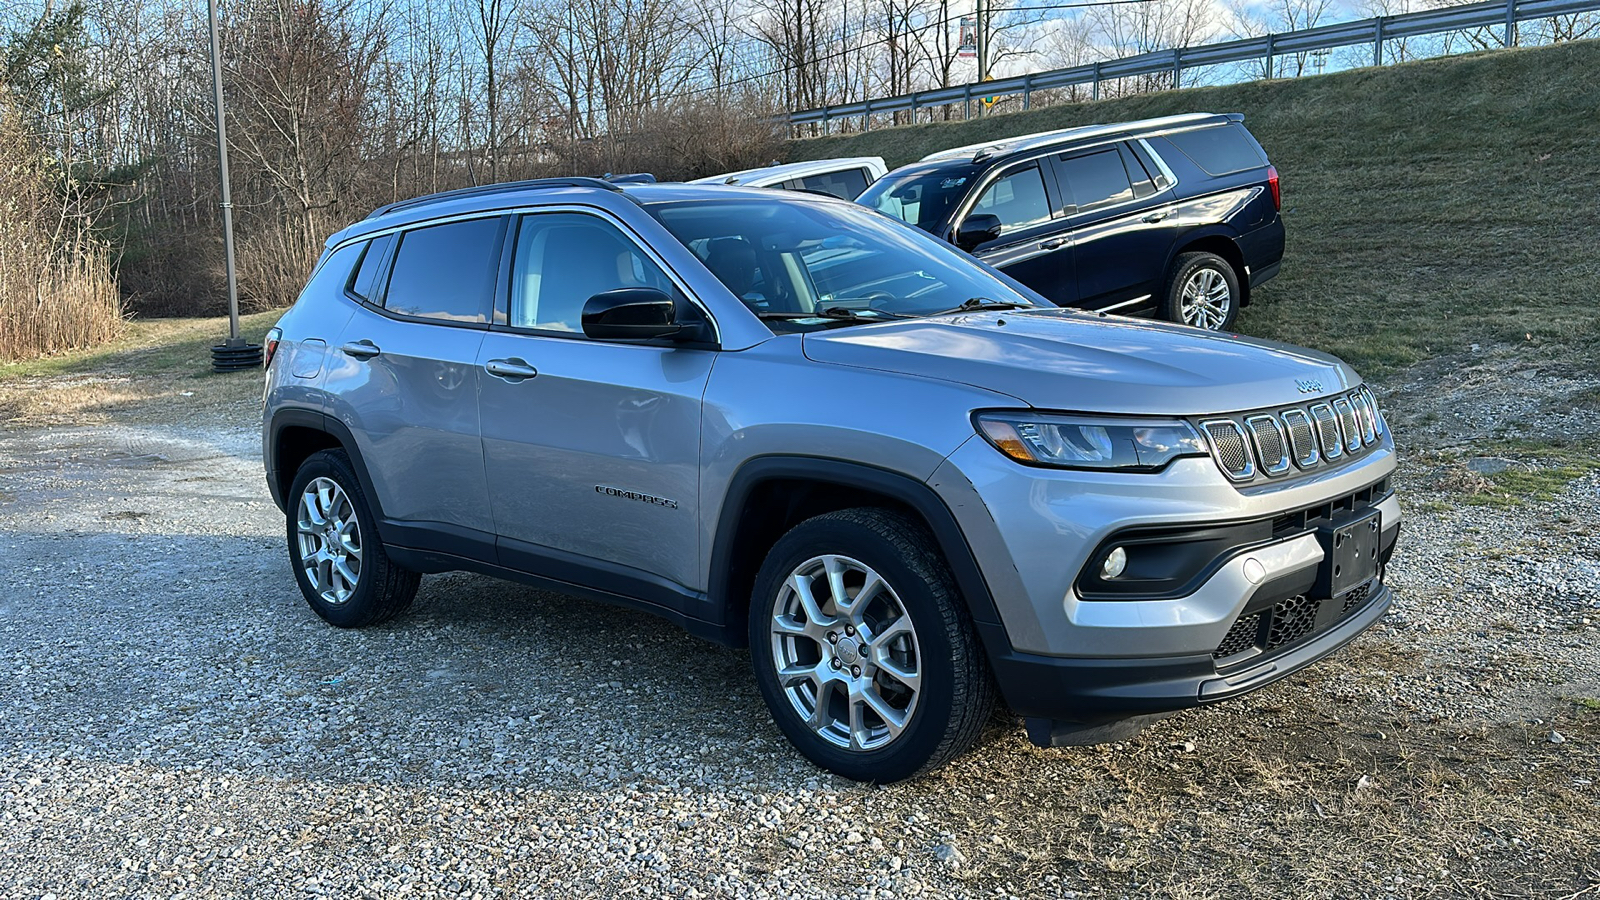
column 334, row 273
column 1220, row 149
column 846, row 185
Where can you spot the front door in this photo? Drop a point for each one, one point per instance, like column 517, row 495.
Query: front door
column 1033, row 247
column 591, row 448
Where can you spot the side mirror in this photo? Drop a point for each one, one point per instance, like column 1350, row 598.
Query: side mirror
column 635, row 314
column 976, row 230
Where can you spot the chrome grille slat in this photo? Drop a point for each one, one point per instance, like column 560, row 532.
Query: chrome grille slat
column 1271, row 449
column 1228, row 448
column 1348, row 423
column 1302, row 442
column 1327, row 431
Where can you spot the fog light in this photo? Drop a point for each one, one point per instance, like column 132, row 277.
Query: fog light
column 1116, row 561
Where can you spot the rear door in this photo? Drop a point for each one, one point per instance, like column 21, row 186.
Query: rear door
column 591, row 447
column 1122, row 226
column 1033, row 247
column 403, row 377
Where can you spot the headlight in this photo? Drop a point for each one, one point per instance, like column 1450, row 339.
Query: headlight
column 1089, row 442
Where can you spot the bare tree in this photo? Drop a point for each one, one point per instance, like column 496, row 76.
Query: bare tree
column 1255, row 20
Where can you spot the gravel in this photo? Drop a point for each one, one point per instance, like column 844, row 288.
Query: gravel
column 177, row 722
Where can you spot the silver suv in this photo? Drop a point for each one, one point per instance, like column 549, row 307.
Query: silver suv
column 910, row 485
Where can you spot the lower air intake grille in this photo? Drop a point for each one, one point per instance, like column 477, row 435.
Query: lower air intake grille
column 1357, row 596
column 1241, row 637
column 1292, row 619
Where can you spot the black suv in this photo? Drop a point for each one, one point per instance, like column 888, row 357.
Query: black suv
column 1176, row 216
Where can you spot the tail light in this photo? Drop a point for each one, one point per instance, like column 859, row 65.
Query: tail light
column 274, row 335
column 1272, row 182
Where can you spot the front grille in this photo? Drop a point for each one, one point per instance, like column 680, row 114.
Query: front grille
column 1228, row 447
column 1269, row 444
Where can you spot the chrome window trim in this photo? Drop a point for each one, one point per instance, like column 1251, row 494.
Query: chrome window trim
column 994, row 174
column 534, row 209
column 1284, row 462
column 1166, row 171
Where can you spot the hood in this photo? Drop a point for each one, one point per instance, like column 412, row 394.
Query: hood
column 1085, row 362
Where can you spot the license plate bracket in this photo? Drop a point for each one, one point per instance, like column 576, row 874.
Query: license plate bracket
column 1350, row 548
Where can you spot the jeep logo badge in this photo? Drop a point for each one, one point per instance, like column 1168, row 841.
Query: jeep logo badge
column 1308, row 385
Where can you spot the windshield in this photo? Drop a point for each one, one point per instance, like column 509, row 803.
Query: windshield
column 922, row 198
column 802, row 264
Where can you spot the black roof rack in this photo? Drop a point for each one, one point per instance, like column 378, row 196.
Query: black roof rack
column 501, row 187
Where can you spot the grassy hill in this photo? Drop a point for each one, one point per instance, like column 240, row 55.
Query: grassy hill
column 1430, row 206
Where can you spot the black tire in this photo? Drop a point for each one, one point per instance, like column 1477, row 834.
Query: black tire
column 957, row 693
column 1185, row 268
column 383, row 589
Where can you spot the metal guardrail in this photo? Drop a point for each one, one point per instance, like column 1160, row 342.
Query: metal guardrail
column 1375, row 31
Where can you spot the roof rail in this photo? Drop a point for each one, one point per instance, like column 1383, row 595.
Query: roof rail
column 500, row 187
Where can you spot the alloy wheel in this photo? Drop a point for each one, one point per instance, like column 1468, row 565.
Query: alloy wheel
column 1206, row 300
column 846, row 653
column 329, row 539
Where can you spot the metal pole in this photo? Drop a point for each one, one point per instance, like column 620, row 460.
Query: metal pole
column 235, row 353
column 1269, row 56
column 1511, row 23
column 222, row 173
column 982, row 15
column 1095, row 94
column 1377, row 44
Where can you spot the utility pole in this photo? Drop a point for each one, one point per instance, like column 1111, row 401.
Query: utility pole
column 982, row 15
column 233, row 354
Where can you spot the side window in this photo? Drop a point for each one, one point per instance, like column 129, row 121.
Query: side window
column 334, row 271
column 362, row 280
column 1096, row 179
column 1143, row 186
column 446, row 271
column 846, row 185
column 563, row 259
column 1018, row 199
column 1219, row 150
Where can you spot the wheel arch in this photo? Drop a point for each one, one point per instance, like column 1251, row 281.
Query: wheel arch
column 294, row 435
column 1222, row 244
column 769, row 495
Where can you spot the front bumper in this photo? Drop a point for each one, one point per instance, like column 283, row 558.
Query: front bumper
column 1094, row 691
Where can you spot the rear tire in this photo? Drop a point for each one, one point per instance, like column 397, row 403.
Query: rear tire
column 887, row 685
column 1202, row 291
column 334, row 550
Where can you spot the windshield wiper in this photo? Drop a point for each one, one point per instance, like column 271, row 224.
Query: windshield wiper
column 842, row 313
column 973, row 304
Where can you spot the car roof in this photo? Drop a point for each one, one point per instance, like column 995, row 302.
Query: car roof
column 785, row 171
column 1003, row 147
column 543, row 191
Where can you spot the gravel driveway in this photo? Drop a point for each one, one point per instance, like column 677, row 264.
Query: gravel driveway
column 178, row 723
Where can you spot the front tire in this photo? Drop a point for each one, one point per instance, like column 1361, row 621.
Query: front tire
column 334, row 550
column 1203, row 291
column 862, row 648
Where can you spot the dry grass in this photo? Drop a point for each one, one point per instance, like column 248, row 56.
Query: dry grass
column 56, row 288
column 154, row 362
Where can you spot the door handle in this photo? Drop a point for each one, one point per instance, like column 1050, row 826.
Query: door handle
column 362, row 349
column 1157, row 216
column 1053, row 244
column 512, row 370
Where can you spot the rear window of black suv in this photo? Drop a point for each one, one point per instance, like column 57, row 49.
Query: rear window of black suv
column 1219, row 149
